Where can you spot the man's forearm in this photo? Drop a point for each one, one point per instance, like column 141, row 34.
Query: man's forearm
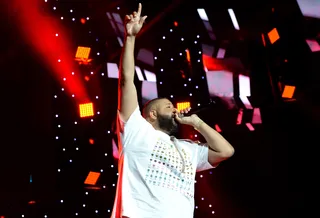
column 214, row 140
column 127, row 59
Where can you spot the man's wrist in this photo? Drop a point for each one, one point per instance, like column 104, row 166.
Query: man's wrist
column 197, row 124
column 130, row 38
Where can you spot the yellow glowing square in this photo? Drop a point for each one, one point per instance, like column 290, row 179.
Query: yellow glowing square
column 83, row 52
column 86, row 110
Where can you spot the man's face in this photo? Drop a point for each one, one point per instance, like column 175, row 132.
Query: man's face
column 165, row 117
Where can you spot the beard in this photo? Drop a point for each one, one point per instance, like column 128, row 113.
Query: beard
column 167, row 124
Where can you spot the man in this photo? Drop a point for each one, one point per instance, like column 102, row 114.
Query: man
column 157, row 171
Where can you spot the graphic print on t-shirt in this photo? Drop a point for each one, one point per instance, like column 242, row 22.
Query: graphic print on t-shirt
column 168, row 169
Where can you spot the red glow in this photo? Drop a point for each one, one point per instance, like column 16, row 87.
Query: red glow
column 83, row 21
column 212, row 63
column 40, row 33
column 87, row 78
column 175, row 23
column 91, row 141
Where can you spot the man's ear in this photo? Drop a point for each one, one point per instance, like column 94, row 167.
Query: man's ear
column 153, row 114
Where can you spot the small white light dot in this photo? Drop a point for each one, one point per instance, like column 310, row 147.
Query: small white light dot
column 72, row 95
column 199, row 104
column 59, row 170
column 195, row 135
column 77, row 149
column 64, row 79
column 98, row 112
column 210, row 205
column 102, row 74
column 70, row 161
column 170, row 30
column 118, row 8
column 91, row 120
column 198, row 36
column 189, row 79
column 171, row 96
column 103, row 186
column 101, row 170
column 108, row 131
column 197, row 87
column 182, row 39
column 63, row 149
column 72, row 73
column 61, row 201
column 98, row 53
column 159, row 49
column 57, row 34
column 196, row 207
column 180, row 54
column 105, row 154
column 195, row 42
column 88, row 18
column 212, row 212
column 55, row 96
column 200, row 52
column 171, row 59
column 91, row 73
column 74, row 139
column 96, row 211
column 113, row 185
column 160, row 83
column 201, row 176
column 111, row 166
column 97, row 97
column 163, row 37
column 57, row 137
column 75, row 122
column 198, row 60
column 54, row 8
column 62, row 89
column 86, row 193
column 190, row 94
column 185, row 84
column 73, row 19
column 76, row 214
column 57, row 115
column 71, row 10
column 83, row 205
column 59, row 126
column 161, row 70
column 202, row 198
column 59, row 60
column 155, row 58
column 61, row 18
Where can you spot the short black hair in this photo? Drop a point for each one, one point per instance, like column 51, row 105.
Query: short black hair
column 148, row 105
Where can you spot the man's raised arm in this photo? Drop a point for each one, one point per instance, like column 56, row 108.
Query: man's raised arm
column 127, row 93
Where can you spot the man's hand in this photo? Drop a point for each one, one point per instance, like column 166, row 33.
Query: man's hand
column 192, row 120
column 134, row 22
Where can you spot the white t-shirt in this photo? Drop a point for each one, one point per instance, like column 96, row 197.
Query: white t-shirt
column 156, row 171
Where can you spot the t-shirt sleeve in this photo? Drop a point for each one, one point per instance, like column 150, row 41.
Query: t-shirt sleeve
column 202, row 157
column 129, row 130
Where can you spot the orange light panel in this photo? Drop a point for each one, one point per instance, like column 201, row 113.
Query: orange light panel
column 86, row 110
column 183, row 105
column 188, row 55
column 288, row 91
column 92, row 178
column 83, row 52
column 273, row 35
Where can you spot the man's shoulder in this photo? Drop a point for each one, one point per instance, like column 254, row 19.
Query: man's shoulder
column 189, row 141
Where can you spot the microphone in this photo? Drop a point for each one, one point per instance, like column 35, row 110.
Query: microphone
column 199, row 109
